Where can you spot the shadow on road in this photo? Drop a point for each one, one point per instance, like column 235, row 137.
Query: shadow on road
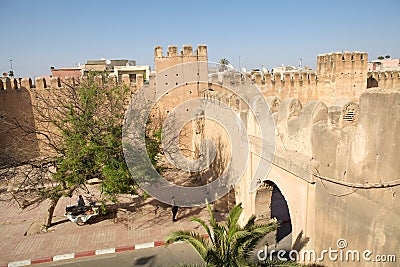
column 145, row 261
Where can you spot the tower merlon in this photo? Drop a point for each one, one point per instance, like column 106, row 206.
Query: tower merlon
column 201, row 50
column 55, row 82
column 172, row 51
column 40, row 83
column 187, row 50
column 286, row 77
column 296, row 76
column 26, row 83
column 158, row 51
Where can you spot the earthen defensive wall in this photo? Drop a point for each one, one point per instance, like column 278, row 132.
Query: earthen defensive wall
column 336, row 140
column 20, row 130
column 335, row 166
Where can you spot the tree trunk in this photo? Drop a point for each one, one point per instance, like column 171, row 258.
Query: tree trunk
column 50, row 211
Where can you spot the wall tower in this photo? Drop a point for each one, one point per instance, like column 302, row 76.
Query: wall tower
column 341, row 75
column 172, row 58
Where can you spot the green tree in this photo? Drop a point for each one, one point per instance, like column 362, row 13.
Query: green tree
column 380, row 57
column 80, row 130
column 387, row 56
column 91, row 140
column 229, row 244
column 153, row 145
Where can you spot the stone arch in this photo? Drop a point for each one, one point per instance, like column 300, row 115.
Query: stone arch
column 372, row 82
column 271, row 203
column 263, row 202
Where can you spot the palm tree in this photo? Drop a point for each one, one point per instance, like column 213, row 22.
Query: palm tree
column 224, row 61
column 223, row 64
column 229, row 244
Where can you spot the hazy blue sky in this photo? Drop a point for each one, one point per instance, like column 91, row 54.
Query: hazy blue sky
column 40, row 34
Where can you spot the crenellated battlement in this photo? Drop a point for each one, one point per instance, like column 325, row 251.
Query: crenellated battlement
column 173, row 57
column 22, row 99
column 339, row 63
column 383, row 79
column 11, row 84
column 340, row 57
column 187, row 51
column 334, row 140
column 298, row 123
column 340, row 114
column 339, row 81
column 339, row 75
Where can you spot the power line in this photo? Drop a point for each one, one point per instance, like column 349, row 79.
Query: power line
column 366, row 185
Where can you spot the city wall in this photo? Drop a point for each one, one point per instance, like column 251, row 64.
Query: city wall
column 24, row 133
column 338, row 76
column 337, row 141
column 335, row 165
column 383, row 79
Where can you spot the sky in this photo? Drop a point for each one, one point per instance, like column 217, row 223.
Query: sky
column 39, row 34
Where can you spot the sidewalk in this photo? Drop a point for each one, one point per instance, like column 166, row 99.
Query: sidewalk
column 134, row 221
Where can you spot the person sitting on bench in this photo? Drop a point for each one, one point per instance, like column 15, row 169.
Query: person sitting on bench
column 81, row 202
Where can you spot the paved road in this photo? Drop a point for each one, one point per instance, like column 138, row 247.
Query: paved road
column 159, row 256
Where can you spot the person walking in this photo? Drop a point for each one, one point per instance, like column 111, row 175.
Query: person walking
column 174, row 209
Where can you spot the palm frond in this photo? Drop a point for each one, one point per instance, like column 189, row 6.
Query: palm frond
column 198, row 242
column 242, row 234
column 279, row 263
column 213, row 222
column 234, row 215
column 230, row 244
column 264, row 229
column 192, row 265
column 248, row 244
column 250, row 222
column 202, row 223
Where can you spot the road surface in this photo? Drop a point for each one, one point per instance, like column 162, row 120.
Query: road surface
column 158, row 256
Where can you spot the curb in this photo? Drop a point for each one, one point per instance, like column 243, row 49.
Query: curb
column 85, row 254
column 90, row 253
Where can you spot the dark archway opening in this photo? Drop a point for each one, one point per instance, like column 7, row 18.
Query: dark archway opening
column 270, row 203
column 372, row 82
column 280, row 211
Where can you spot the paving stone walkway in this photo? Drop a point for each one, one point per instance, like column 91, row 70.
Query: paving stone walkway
column 132, row 221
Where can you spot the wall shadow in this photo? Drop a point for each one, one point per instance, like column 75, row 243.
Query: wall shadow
column 18, row 141
column 280, row 211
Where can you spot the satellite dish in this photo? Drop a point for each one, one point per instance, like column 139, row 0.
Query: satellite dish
column 243, row 70
column 108, row 61
column 264, row 70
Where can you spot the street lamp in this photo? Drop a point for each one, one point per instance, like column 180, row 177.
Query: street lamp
column 12, row 71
